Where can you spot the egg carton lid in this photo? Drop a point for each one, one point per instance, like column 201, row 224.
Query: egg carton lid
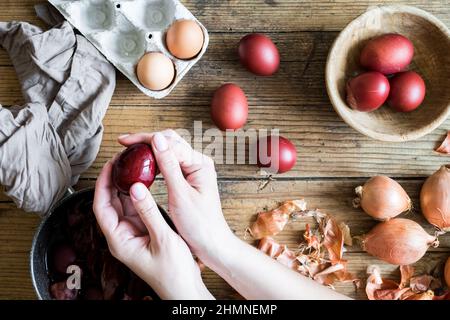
column 123, row 31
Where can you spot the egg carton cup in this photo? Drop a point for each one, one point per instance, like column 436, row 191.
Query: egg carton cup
column 126, row 30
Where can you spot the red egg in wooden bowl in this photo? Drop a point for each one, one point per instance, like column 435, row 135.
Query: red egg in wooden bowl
column 431, row 40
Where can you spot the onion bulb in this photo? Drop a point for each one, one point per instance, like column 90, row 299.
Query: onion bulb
column 398, row 241
column 447, row 272
column 435, row 199
column 382, row 198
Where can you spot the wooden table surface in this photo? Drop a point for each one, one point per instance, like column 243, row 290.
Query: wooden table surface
column 333, row 158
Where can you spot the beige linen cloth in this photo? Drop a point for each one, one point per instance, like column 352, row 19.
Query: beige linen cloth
column 67, row 85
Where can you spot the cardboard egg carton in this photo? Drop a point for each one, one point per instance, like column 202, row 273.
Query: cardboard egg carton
column 126, row 30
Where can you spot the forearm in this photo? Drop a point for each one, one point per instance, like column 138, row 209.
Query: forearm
column 256, row 276
column 196, row 291
column 174, row 286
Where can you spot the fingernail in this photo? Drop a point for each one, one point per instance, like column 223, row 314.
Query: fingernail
column 138, row 191
column 124, row 136
column 160, row 142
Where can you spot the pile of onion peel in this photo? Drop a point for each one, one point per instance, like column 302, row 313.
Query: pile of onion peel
column 382, row 198
column 272, row 222
column 435, row 199
column 320, row 255
column 423, row 287
column 444, row 148
column 398, row 241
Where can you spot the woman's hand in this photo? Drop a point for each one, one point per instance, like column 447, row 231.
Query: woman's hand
column 194, row 207
column 138, row 236
column 194, row 201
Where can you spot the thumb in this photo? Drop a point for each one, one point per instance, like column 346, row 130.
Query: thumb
column 148, row 211
column 169, row 165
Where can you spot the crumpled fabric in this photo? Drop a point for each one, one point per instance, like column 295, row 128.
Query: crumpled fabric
column 67, row 86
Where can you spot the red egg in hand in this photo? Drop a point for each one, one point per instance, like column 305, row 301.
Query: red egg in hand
column 135, row 164
column 368, row 91
column 229, row 107
column 389, row 53
column 259, row 54
column 407, row 91
column 276, row 154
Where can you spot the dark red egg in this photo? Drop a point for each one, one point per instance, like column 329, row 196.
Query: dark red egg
column 59, row 291
column 93, row 293
column 229, row 107
column 135, row 164
column 63, row 256
column 368, row 91
column 407, row 91
column 276, row 157
column 389, row 53
column 259, row 54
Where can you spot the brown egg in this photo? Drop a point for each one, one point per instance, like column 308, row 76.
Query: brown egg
column 185, row 39
column 155, row 71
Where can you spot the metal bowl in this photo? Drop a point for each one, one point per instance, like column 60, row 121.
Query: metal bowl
column 49, row 232
column 44, row 238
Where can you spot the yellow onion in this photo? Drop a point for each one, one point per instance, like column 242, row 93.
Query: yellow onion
column 398, row 241
column 435, row 199
column 447, row 272
column 382, row 198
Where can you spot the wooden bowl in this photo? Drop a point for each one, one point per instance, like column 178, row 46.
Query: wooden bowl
column 431, row 39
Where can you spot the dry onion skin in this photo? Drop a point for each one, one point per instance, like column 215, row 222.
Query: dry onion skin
column 447, row 272
column 398, row 241
column 378, row 288
column 444, row 148
column 272, row 222
column 320, row 255
column 410, row 288
column 382, row 198
column 435, row 199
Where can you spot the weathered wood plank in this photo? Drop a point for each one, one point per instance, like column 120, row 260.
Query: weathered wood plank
column 357, row 264
column 293, row 46
column 15, row 281
column 241, row 200
column 327, row 146
column 296, row 82
column 258, row 15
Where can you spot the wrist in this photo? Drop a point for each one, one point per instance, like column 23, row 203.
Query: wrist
column 182, row 289
column 221, row 252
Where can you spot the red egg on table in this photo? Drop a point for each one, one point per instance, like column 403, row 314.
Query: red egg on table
column 273, row 160
column 259, row 54
column 229, row 107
